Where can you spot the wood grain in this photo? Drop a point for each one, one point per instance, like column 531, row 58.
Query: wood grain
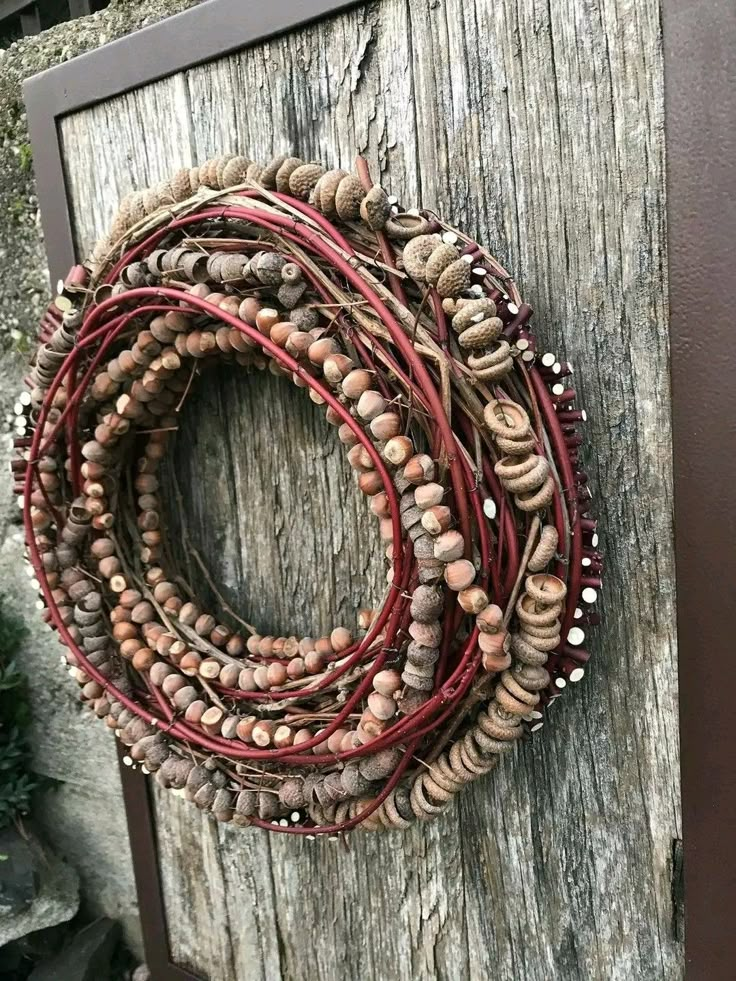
column 538, row 127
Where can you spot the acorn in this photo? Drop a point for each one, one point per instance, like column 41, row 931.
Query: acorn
column 291, row 792
column 266, row 268
column 406, row 225
column 379, row 765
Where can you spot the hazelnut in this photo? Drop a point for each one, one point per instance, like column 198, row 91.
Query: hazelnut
column 459, row 574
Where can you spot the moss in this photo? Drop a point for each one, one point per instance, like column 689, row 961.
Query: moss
column 17, row 782
column 25, row 157
column 23, row 274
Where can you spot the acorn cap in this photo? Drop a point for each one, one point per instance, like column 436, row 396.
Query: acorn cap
column 304, row 178
column 416, row 253
column 283, row 174
column 480, row 335
column 348, row 198
column 325, row 191
column 235, row 171
column 455, row 279
column 375, row 208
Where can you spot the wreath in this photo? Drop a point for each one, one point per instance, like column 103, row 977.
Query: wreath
column 415, row 343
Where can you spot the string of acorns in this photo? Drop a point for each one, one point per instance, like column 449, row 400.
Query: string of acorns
column 415, row 343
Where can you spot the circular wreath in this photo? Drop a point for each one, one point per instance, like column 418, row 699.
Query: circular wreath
column 415, row 342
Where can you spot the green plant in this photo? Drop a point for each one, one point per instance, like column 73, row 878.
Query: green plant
column 25, row 157
column 17, row 782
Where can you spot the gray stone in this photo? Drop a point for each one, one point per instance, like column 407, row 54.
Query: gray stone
column 19, row 878
column 85, row 958
column 56, row 900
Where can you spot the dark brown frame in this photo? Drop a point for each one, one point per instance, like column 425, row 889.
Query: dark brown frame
column 700, row 101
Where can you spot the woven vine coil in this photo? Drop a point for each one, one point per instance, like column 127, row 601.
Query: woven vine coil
column 415, row 343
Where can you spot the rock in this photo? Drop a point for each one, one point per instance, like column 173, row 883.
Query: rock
column 141, row 973
column 56, row 899
column 19, row 878
column 85, row 958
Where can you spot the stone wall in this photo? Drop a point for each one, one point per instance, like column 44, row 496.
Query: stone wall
column 83, row 815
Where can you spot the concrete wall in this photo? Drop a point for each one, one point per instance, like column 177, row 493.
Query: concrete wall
column 83, row 815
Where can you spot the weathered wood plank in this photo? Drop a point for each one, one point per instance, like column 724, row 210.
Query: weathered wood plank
column 539, row 128
column 115, row 148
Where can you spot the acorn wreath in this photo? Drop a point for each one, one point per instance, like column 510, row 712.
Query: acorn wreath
column 414, row 340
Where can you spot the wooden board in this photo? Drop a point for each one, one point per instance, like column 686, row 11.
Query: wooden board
column 538, row 127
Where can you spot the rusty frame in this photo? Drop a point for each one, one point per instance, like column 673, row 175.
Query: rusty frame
column 701, row 184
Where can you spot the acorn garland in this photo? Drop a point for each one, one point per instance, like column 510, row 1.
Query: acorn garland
column 415, row 343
